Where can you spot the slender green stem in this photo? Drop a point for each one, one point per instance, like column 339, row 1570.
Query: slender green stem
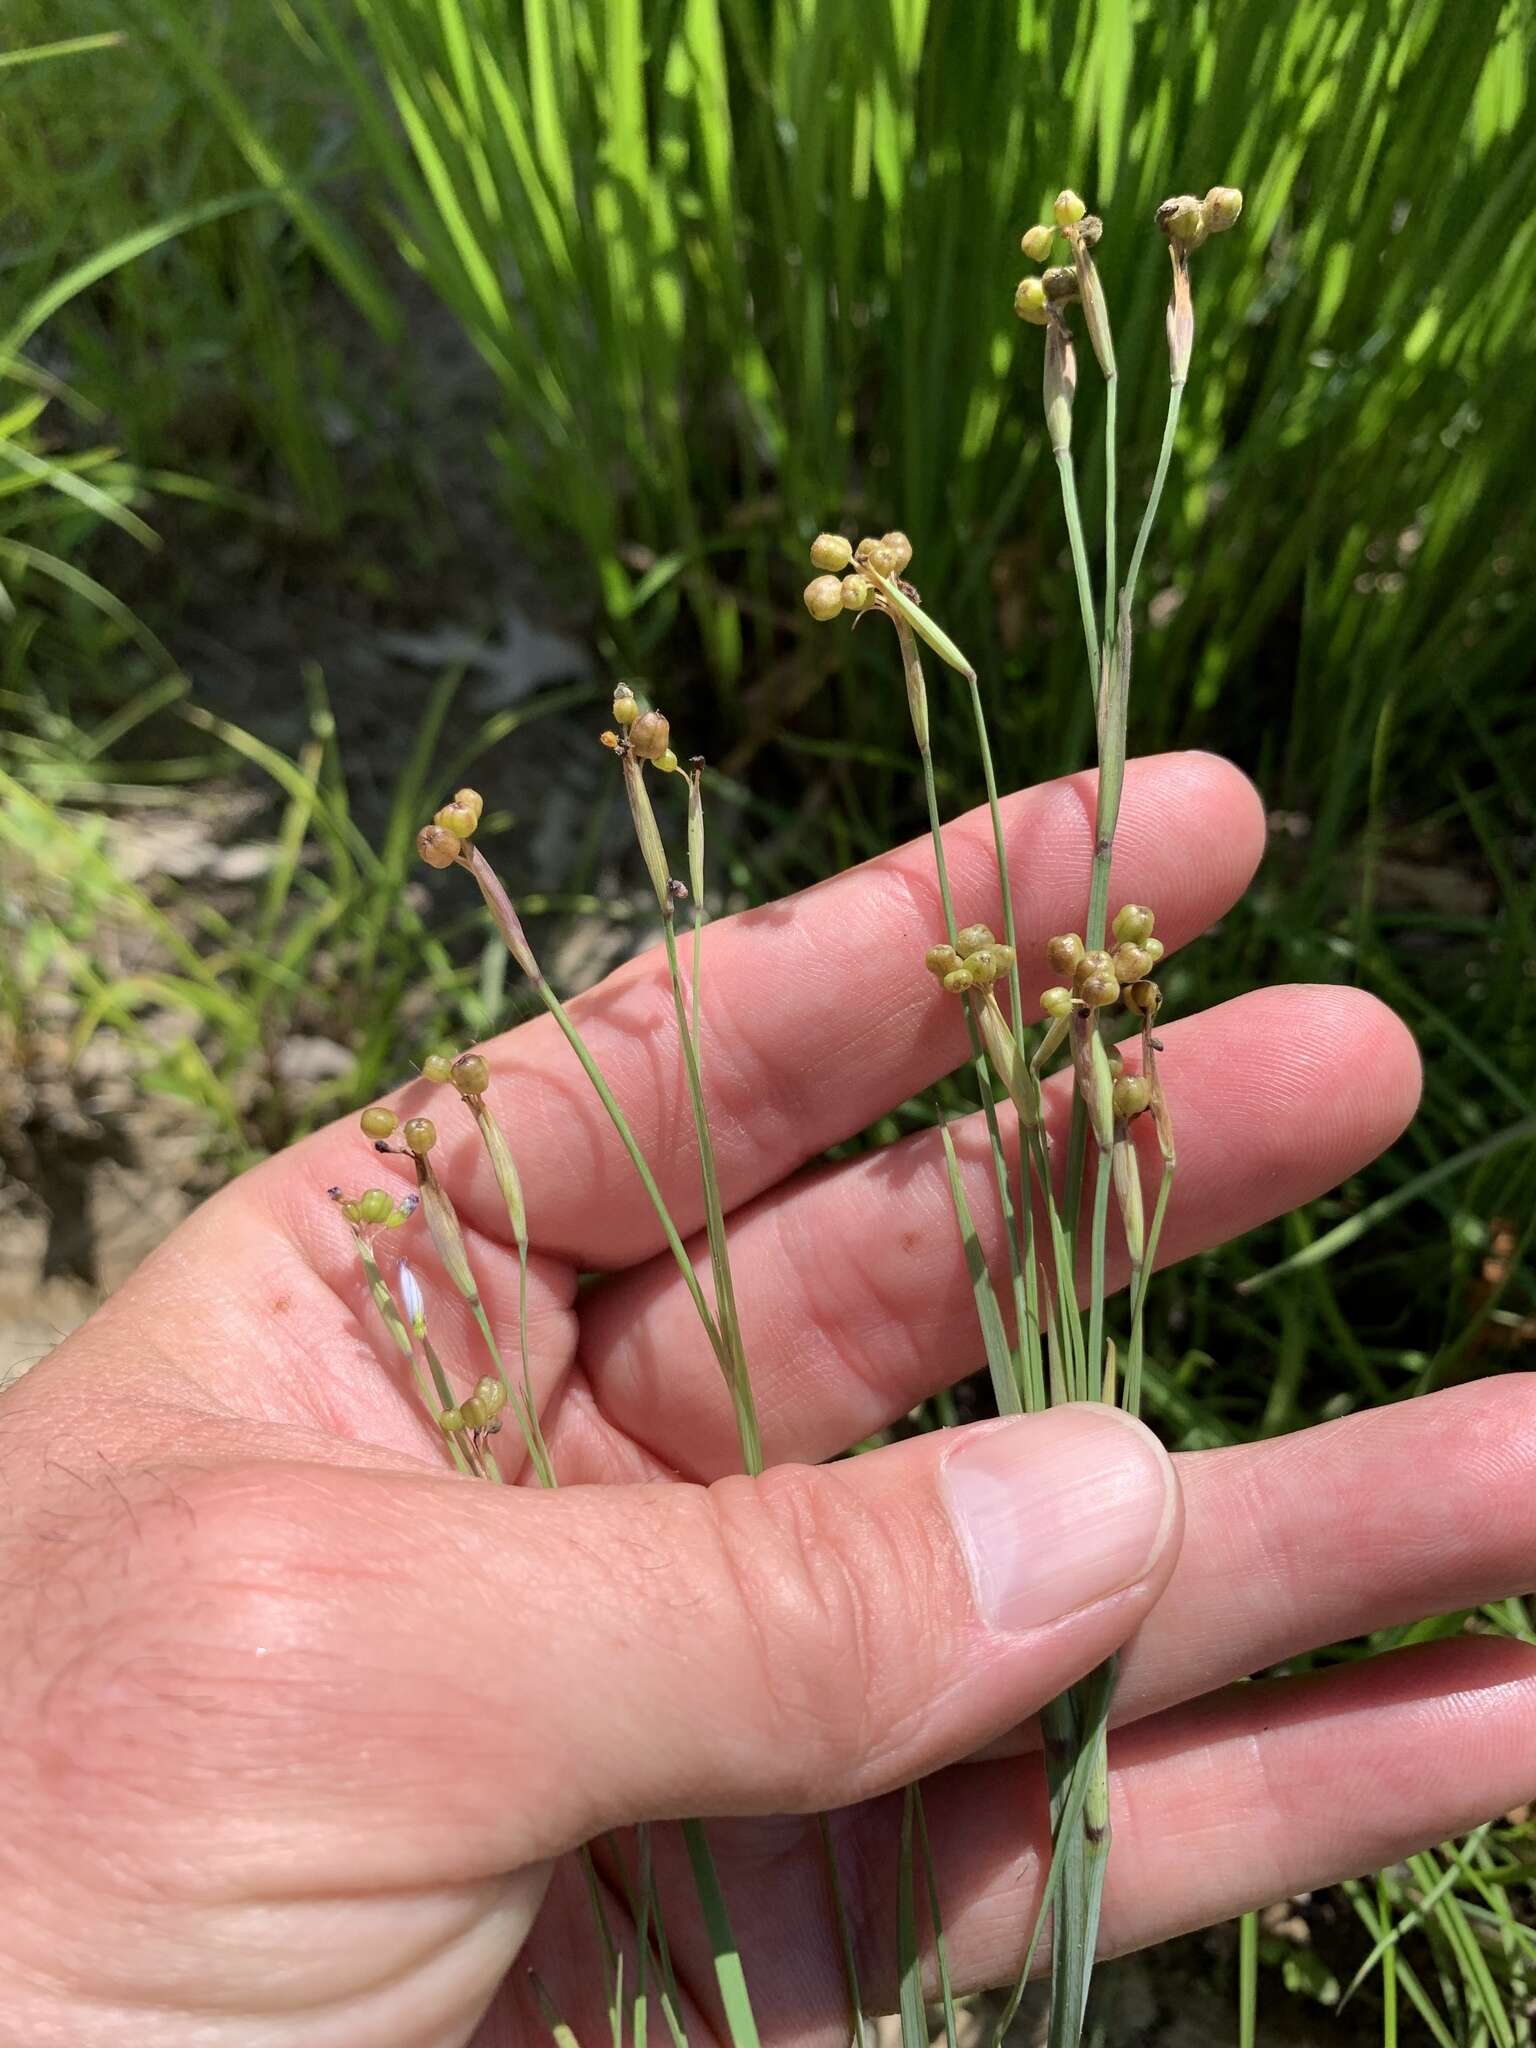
column 1111, row 510
column 1094, row 1377
column 1080, row 568
column 1155, row 495
column 1141, row 1282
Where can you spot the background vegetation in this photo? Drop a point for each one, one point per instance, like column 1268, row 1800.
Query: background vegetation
column 347, row 347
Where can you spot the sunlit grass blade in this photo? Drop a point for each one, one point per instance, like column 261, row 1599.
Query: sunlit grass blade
column 936, row 1918
column 729, row 1975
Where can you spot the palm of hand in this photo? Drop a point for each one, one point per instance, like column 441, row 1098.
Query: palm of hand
column 324, row 1729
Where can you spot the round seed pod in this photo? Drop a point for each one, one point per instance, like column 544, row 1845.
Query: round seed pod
column 1144, row 997
column 831, row 551
column 971, row 938
column 1132, row 1095
column 1097, row 962
column 1089, row 231
column 882, row 559
column 1097, row 990
column 1037, row 242
column 378, row 1122
column 436, row 1067
column 471, row 799
column 1068, row 209
column 470, row 1074
column 1132, row 963
column 1133, row 923
column 438, row 847
column 472, row 1413
column 958, row 980
column 1154, row 948
column 983, row 965
column 858, row 593
column 1030, row 302
column 458, row 819
column 1221, row 206
column 398, row 1218
column 649, row 736
column 667, row 762
column 941, row 960
column 491, row 1394
column 824, row 597
column 420, row 1135
column 375, row 1205
column 353, row 1211
column 1056, row 1002
column 1064, row 952
column 451, row 1420
column 1005, row 956
column 610, row 740
column 900, row 547
column 867, row 543
column 625, row 709
column 1183, row 220
column 1060, row 284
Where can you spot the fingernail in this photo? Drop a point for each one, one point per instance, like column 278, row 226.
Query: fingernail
column 1057, row 1511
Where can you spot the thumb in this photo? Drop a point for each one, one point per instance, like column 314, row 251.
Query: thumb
column 469, row 1678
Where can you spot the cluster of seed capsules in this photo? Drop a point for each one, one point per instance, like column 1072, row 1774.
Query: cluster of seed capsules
column 843, row 586
column 1185, row 220
column 645, row 734
column 470, row 1074
column 975, row 960
column 441, row 843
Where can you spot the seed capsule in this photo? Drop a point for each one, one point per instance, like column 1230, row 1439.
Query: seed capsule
column 958, row 980
column 1097, row 962
column 1144, row 997
column 1068, row 209
column 438, row 847
column 881, row 559
column 1097, row 990
column 353, row 1211
column 451, row 1420
column 1183, row 220
column 472, row 1413
column 491, row 1394
column 824, row 597
column 983, row 965
column 901, row 549
column 420, row 1135
column 1089, row 231
column 941, row 960
column 1133, row 923
column 1030, row 302
column 458, row 819
column 649, row 736
column 1132, row 963
column 1116, row 1061
column 1056, row 1002
column 1132, row 1095
column 470, row 1074
column 858, row 594
column 625, row 708
column 1221, row 206
column 471, row 799
column 1064, row 952
column 1037, row 242
column 971, row 938
column 1060, row 284
column 378, row 1122
column 831, row 551
column 1155, row 948
column 375, row 1205
column 1005, row 956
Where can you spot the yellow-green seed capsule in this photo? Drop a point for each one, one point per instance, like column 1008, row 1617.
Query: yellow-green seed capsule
column 1132, row 1095
column 1030, row 302
column 420, row 1135
column 1004, row 955
column 881, row 559
column 1144, row 997
column 1056, row 1002
column 1060, row 284
column 971, row 938
column 625, row 708
column 353, row 1211
column 1064, row 952
column 471, row 799
column 1155, row 948
column 1183, row 220
column 1097, row 962
column 1037, row 242
column 1132, row 963
column 858, row 593
column 1116, row 1061
column 378, row 1122
column 824, row 597
column 650, row 736
column 983, row 965
column 470, row 1074
column 375, row 1205
column 451, row 1420
column 438, row 847
column 667, row 763
column 1133, row 923
column 901, row 548
column 436, row 1067
column 1221, row 206
column 398, row 1218
column 472, row 1413
column 458, row 819
column 491, row 1394
column 831, row 551
column 867, row 544
column 958, row 980
column 1068, row 209
column 1097, row 990
column 941, row 960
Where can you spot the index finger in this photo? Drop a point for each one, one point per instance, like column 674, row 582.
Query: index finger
column 817, row 1013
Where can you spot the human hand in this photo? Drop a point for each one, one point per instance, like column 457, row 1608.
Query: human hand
column 300, row 1729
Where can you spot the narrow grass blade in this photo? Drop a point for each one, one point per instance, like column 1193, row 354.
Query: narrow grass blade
column 1005, row 1386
